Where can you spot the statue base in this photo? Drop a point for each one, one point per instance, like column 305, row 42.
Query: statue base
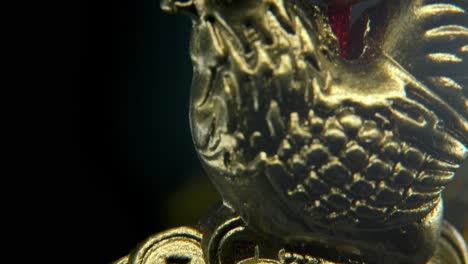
column 224, row 238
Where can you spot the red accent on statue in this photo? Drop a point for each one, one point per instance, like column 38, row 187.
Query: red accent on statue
column 339, row 16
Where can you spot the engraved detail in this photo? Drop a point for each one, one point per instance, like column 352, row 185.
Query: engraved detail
column 436, row 9
column 338, row 181
column 444, row 57
column 447, row 31
column 446, row 82
column 464, row 49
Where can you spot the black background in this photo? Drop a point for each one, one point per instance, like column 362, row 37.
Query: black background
column 130, row 125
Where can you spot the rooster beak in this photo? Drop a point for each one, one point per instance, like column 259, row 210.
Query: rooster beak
column 174, row 6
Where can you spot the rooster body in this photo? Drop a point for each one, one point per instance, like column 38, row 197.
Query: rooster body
column 306, row 145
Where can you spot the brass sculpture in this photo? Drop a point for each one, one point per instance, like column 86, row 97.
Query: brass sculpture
column 321, row 158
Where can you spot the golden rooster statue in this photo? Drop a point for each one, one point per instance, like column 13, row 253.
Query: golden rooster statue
column 327, row 147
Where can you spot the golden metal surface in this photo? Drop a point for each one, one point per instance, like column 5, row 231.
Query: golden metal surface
column 179, row 245
column 184, row 245
column 341, row 161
